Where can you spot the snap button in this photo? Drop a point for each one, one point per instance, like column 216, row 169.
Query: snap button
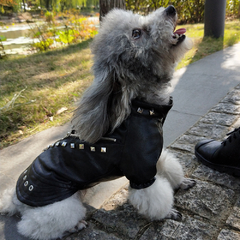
column 140, row 110
column 81, row 146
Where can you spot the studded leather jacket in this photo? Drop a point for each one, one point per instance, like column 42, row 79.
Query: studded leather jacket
column 71, row 164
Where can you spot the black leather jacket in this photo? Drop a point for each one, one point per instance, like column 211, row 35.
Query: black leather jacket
column 70, row 164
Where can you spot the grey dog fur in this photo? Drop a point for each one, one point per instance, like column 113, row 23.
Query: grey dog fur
column 125, row 68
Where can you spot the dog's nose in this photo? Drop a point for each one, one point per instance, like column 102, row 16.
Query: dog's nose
column 170, row 10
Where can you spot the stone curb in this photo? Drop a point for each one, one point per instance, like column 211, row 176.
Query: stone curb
column 211, row 209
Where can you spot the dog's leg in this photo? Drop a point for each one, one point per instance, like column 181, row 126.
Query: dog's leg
column 54, row 220
column 7, row 206
column 155, row 201
column 169, row 167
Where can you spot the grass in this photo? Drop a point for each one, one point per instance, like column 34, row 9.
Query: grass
column 45, row 83
column 203, row 47
column 33, row 88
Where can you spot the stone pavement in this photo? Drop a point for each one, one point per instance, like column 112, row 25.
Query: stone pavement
column 211, row 209
column 206, row 104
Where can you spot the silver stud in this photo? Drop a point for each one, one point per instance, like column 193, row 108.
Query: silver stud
column 64, row 144
column 57, row 144
column 30, row 188
column 26, row 183
column 25, row 177
column 151, row 112
column 25, row 171
column 140, row 110
column 92, row 149
column 81, row 146
column 51, row 145
column 103, row 149
column 72, row 145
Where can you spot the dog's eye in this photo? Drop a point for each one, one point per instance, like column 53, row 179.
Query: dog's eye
column 136, row 33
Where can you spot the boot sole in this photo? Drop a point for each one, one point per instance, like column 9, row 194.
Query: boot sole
column 221, row 168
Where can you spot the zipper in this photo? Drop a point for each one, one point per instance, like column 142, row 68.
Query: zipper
column 109, row 139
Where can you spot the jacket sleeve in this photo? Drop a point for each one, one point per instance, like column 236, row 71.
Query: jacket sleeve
column 141, row 152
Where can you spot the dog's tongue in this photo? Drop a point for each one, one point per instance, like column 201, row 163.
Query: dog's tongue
column 180, row 31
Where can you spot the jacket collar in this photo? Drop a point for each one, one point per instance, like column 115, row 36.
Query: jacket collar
column 151, row 110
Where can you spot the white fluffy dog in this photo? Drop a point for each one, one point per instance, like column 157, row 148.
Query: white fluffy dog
column 117, row 131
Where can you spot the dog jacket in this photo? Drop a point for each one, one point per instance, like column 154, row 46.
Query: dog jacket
column 70, row 164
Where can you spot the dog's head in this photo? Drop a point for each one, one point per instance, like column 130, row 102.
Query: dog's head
column 134, row 56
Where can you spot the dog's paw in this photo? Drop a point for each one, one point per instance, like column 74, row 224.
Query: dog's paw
column 80, row 226
column 175, row 215
column 187, row 183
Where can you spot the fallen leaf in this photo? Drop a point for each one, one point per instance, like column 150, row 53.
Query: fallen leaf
column 61, row 110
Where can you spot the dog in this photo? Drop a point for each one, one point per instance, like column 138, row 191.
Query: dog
column 117, row 131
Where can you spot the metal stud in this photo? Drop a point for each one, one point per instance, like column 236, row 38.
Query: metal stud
column 25, row 177
column 151, row 112
column 51, row 145
column 30, row 188
column 81, row 146
column 72, row 145
column 140, row 110
column 92, row 149
column 103, row 149
column 26, row 183
column 64, row 144
column 25, row 171
column 57, row 144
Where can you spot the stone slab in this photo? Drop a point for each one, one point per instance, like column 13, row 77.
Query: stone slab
column 206, row 200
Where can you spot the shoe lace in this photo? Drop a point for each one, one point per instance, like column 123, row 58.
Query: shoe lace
column 232, row 134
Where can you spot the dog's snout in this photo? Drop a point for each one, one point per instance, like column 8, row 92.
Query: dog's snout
column 170, row 10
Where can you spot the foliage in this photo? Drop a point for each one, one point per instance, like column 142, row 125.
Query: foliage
column 233, row 8
column 189, row 11
column 72, row 28
column 2, row 52
column 8, row 2
column 61, row 5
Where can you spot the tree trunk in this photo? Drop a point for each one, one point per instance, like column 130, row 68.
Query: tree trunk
column 238, row 11
column 24, row 8
column 47, row 4
column 107, row 5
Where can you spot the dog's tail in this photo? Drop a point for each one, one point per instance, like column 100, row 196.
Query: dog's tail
column 7, row 206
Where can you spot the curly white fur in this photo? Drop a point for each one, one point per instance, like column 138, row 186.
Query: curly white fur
column 159, row 204
column 124, row 68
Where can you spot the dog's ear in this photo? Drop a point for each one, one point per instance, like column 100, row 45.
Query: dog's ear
column 91, row 120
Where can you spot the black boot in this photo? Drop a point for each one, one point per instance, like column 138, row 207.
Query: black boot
column 221, row 156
